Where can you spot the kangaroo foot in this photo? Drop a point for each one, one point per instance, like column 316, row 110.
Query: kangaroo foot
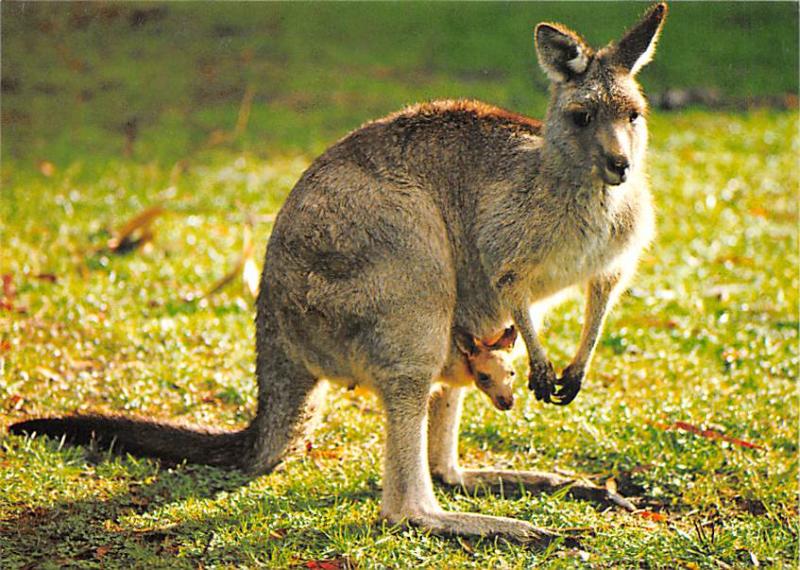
column 445, row 523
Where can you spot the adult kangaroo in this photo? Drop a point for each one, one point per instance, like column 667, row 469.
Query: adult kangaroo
column 452, row 214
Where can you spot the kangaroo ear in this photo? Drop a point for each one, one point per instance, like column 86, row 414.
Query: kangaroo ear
column 562, row 53
column 465, row 342
column 637, row 46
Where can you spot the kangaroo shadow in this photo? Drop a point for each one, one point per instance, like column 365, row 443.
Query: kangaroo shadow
column 93, row 530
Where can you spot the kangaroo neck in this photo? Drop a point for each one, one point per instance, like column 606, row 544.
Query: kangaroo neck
column 561, row 171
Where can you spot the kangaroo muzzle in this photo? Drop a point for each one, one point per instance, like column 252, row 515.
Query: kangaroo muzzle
column 616, row 169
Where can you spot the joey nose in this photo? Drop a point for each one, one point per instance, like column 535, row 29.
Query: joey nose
column 505, row 403
column 619, row 166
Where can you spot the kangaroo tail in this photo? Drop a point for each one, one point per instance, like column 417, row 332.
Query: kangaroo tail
column 146, row 438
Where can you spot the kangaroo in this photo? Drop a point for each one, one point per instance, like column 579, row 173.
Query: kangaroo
column 484, row 363
column 445, row 214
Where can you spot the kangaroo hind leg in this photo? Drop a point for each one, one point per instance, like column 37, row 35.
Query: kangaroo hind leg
column 407, row 488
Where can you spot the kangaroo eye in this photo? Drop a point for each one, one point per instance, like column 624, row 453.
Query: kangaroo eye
column 484, row 379
column 633, row 116
column 581, row 118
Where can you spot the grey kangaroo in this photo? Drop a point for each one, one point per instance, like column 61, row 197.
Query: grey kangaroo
column 443, row 215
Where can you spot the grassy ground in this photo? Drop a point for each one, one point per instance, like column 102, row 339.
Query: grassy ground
column 110, row 109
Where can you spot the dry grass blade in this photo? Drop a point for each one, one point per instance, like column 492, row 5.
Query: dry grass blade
column 250, row 272
column 246, row 266
column 244, row 111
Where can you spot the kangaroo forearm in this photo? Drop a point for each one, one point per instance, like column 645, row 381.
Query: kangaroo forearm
column 600, row 295
column 524, row 323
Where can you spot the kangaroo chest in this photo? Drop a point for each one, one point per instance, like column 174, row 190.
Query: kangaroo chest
column 581, row 244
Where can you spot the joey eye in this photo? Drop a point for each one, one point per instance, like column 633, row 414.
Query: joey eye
column 582, row 118
column 633, row 116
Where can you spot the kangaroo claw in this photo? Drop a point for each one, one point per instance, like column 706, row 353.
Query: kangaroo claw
column 542, row 379
column 568, row 386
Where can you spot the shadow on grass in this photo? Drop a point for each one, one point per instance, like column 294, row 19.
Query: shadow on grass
column 172, row 515
column 93, row 531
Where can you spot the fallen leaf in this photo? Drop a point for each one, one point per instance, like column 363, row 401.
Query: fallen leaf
column 81, row 365
column 101, row 551
column 15, row 402
column 47, row 168
column 9, row 291
column 706, row 433
column 135, row 232
column 49, row 277
column 277, row 533
column 324, row 453
column 611, row 485
column 652, row 516
column 466, row 546
column 223, row 281
column 49, row 373
column 246, row 266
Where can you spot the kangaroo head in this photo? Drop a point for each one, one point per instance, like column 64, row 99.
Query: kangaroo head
column 489, row 363
column 595, row 121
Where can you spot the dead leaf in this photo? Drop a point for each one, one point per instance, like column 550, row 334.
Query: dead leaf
column 101, row 551
column 9, row 291
column 244, row 111
column 136, row 231
column 611, row 486
column 653, row 516
column 334, row 564
column 707, row 433
column 246, row 266
column 466, row 546
column 49, row 277
column 221, row 283
column 49, row 373
column 277, row 534
column 47, row 168
column 15, row 402
column 324, row 453
column 81, row 365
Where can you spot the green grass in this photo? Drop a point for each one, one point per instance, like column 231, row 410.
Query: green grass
column 708, row 334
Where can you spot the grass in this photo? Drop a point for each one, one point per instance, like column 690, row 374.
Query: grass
column 708, row 335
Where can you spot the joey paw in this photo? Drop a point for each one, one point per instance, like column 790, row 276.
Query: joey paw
column 568, row 386
column 542, row 379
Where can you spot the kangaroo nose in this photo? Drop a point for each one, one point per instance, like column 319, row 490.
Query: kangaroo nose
column 619, row 165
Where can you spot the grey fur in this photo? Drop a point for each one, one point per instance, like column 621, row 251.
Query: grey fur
column 452, row 214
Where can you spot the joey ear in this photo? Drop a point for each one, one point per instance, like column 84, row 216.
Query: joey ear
column 510, row 336
column 637, row 46
column 506, row 340
column 465, row 342
column 562, row 53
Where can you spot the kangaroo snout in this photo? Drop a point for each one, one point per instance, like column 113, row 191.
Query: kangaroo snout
column 616, row 169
